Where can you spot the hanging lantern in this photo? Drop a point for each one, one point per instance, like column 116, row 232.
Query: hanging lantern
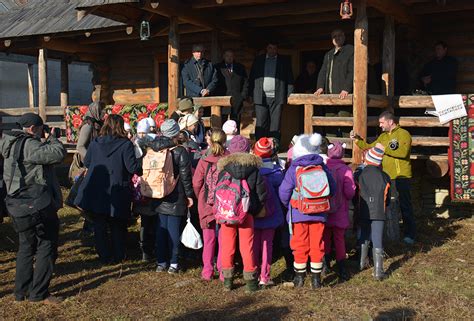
column 346, row 9
column 145, row 30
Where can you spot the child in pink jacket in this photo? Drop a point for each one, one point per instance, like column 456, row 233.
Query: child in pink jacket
column 338, row 219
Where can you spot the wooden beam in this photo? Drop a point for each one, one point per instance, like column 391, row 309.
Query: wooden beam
column 173, row 65
column 42, row 82
column 388, row 58
column 420, row 121
column 414, row 102
column 201, row 4
column 322, row 100
column 378, row 101
column 430, row 141
column 64, row 83
column 451, row 6
column 400, row 12
column 223, row 101
column 31, row 90
column 341, row 121
column 71, row 46
column 361, row 37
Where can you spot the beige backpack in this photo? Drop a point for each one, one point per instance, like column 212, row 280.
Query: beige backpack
column 158, row 178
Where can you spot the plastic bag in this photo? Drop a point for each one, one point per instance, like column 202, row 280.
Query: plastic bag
column 190, row 237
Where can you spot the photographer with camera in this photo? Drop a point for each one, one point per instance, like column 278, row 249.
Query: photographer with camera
column 33, row 199
column 396, row 163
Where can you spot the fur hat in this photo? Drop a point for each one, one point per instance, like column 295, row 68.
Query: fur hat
column 169, row 128
column 239, row 144
column 374, row 156
column 307, row 145
column 143, row 126
column 230, row 127
column 263, row 148
column 336, row 150
column 187, row 120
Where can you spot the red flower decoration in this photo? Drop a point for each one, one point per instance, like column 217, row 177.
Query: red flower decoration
column 142, row 116
column 456, row 137
column 471, row 113
column 159, row 119
column 84, row 109
column 117, row 109
column 151, row 107
column 126, row 118
column 76, row 121
column 458, row 191
column 463, row 145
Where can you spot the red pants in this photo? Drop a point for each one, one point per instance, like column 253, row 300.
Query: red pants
column 227, row 243
column 336, row 234
column 307, row 241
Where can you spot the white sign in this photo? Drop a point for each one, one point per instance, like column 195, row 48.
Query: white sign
column 449, row 107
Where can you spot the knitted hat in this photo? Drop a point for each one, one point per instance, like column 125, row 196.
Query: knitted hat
column 169, row 128
column 185, row 104
column 127, row 127
column 143, row 126
column 307, row 145
column 374, row 156
column 293, row 140
column 239, row 144
column 230, row 127
column 151, row 122
column 187, row 120
column 336, row 150
column 263, row 148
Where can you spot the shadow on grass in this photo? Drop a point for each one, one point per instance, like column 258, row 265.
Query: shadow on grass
column 233, row 311
column 402, row 314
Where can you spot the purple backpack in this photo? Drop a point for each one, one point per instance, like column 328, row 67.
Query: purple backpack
column 231, row 200
column 210, row 182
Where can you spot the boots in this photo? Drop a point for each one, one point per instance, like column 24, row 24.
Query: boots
column 315, row 280
column 326, row 265
column 228, row 283
column 341, row 270
column 379, row 274
column 251, row 285
column 298, row 280
column 364, row 253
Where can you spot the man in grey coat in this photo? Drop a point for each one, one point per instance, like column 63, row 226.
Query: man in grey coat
column 37, row 250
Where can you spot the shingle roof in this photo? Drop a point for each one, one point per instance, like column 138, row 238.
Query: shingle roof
column 40, row 17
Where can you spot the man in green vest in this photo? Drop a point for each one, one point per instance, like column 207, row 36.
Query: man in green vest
column 396, row 163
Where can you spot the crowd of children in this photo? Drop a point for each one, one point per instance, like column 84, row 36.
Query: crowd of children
column 243, row 193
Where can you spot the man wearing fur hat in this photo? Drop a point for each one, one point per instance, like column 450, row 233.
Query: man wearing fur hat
column 199, row 75
column 396, row 163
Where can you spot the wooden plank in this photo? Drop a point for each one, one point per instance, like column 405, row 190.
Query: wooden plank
column 200, row 4
column 42, row 82
column 393, row 8
column 452, row 6
column 64, row 83
column 31, row 90
column 321, row 100
column 414, row 102
column 341, row 121
column 223, row 101
column 308, row 118
column 173, row 64
column 426, row 121
column 378, row 101
column 430, row 141
column 361, row 38
column 15, row 112
column 388, row 58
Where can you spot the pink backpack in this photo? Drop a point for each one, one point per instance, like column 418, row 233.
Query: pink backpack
column 210, row 181
column 158, row 178
column 231, row 200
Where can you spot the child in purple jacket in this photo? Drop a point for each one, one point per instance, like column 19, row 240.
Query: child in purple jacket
column 264, row 228
column 307, row 229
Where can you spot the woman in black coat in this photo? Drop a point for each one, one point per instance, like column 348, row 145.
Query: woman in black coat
column 105, row 192
column 172, row 208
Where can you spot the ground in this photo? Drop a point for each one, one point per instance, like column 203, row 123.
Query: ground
column 432, row 280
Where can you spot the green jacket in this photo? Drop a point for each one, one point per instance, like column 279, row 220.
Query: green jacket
column 396, row 163
column 38, row 158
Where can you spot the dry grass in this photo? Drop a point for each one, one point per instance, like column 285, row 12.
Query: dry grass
column 433, row 280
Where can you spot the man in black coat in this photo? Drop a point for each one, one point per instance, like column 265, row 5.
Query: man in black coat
column 270, row 84
column 337, row 72
column 198, row 74
column 439, row 75
column 233, row 81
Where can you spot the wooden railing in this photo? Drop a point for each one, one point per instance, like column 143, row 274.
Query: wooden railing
column 215, row 103
column 51, row 113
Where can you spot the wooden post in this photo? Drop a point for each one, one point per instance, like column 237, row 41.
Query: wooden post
column 216, row 116
column 308, row 118
column 215, row 51
column 173, row 65
column 64, row 83
column 31, row 90
column 388, row 59
column 361, row 38
column 156, row 79
column 42, row 82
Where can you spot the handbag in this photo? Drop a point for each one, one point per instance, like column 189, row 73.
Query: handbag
column 25, row 204
column 69, row 201
column 190, row 237
column 76, row 169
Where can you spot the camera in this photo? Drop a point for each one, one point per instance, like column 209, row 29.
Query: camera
column 393, row 145
column 55, row 132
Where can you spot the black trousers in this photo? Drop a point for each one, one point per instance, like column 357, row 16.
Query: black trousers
column 147, row 233
column 113, row 248
column 37, row 253
column 268, row 119
column 403, row 188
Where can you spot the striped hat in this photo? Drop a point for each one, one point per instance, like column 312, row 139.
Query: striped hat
column 263, row 148
column 374, row 156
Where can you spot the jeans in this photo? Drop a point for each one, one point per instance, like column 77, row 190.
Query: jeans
column 118, row 235
column 268, row 119
column 35, row 260
column 403, row 189
column 167, row 239
column 372, row 230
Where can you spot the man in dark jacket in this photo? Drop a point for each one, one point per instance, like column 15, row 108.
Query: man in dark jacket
column 233, row 82
column 337, row 72
column 439, row 75
column 270, row 84
column 37, row 250
column 198, row 74
column 307, row 80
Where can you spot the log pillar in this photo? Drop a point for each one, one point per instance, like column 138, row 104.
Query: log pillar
column 42, row 82
column 173, row 65
column 308, row 119
column 156, row 79
column 31, row 90
column 361, row 38
column 64, row 83
column 388, row 60
column 216, row 116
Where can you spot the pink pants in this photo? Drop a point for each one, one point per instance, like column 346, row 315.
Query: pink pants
column 262, row 250
column 209, row 252
column 336, row 234
column 228, row 238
